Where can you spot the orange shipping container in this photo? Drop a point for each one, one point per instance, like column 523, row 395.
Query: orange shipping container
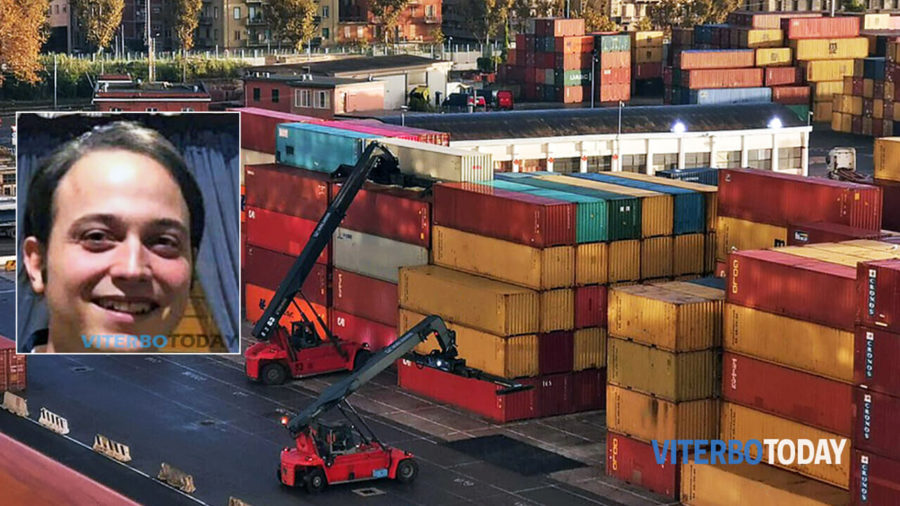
column 717, row 59
column 887, row 158
column 723, row 78
column 590, row 348
column 591, row 263
column 709, row 253
column 624, row 261
column 687, row 254
column 675, row 377
column 656, row 257
column 258, row 298
column 647, row 418
column 733, row 234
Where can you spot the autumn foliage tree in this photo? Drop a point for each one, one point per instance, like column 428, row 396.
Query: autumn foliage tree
column 293, row 21
column 100, row 19
column 21, row 36
column 187, row 17
column 687, row 13
column 388, row 13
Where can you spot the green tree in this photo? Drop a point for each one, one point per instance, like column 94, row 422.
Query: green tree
column 595, row 20
column 22, row 33
column 293, row 21
column 643, row 24
column 187, row 17
column 100, row 19
column 437, row 35
column 388, row 13
column 853, row 6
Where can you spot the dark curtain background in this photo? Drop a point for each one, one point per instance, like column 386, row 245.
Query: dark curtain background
column 209, row 144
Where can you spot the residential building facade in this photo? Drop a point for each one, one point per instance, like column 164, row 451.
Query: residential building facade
column 312, row 95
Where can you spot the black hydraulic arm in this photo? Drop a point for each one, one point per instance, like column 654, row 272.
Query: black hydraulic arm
column 317, row 242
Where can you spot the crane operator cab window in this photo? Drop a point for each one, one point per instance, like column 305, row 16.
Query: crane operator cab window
column 303, row 335
column 335, row 440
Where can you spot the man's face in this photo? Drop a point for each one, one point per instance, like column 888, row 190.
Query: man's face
column 118, row 260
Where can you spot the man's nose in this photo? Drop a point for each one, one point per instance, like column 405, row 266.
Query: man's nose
column 131, row 261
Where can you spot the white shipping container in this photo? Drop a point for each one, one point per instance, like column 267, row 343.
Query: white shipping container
column 374, row 256
column 441, row 162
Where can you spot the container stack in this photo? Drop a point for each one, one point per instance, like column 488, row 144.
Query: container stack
column 887, row 177
column 552, row 59
column 865, row 104
column 718, row 76
column 647, row 62
column 614, row 70
column 663, row 366
column 12, row 367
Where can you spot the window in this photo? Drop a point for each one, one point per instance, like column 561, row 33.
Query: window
column 325, row 33
column 789, row 158
column 216, row 12
column 303, row 98
column 187, row 109
column 429, row 11
column 152, row 109
column 115, row 109
column 289, row 149
column 567, row 165
column 599, row 163
column 9, row 178
column 694, row 160
column 728, row 159
column 759, row 159
column 256, row 94
column 322, row 100
column 216, row 33
column 346, row 32
column 207, row 33
column 274, row 96
column 326, row 10
column 664, row 161
column 56, row 8
column 360, row 33
column 237, row 13
column 634, row 163
column 237, row 35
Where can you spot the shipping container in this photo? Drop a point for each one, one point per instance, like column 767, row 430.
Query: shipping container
column 373, row 256
column 830, row 49
column 588, row 390
column 878, row 299
column 773, row 57
column 782, row 76
column 735, row 235
column 768, row 20
column 709, row 192
column 287, row 190
column 574, row 44
column 821, row 28
column 826, row 89
column 810, row 400
column 706, row 484
column 361, row 330
column 490, row 306
column 557, row 310
column 590, row 306
column 797, row 199
column 558, row 27
column 634, row 462
column 647, row 418
column 556, row 352
column 319, row 148
column 801, row 288
column 473, row 395
column 592, row 263
column 268, row 269
column 717, row 59
column 13, row 372
column 667, row 319
column 374, row 130
column 723, row 96
column 875, row 358
column 688, row 254
column 722, row 78
column 759, row 37
column 702, row 175
column 647, row 70
column 258, row 127
column 258, row 298
column 656, row 257
column 507, row 357
column 826, row 70
column 624, row 261
column 887, row 164
column 589, row 351
column 394, row 213
column 874, row 480
column 875, row 423
column 647, row 38
column 674, row 377
column 429, row 136
column 281, row 233
column 612, row 43
column 555, row 394
column 891, row 196
column 367, row 297
column 744, row 424
column 709, row 254
column 790, row 95
column 812, row 233
column 440, row 162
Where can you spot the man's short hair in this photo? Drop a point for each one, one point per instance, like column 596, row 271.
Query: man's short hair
column 119, row 135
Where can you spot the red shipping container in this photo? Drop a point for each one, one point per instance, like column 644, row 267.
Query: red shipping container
column 874, row 480
column 790, row 95
column 589, row 390
column 367, row 297
column 574, row 44
column 888, row 114
column 856, row 124
column 556, row 352
column 634, row 462
column 875, row 423
column 573, row 94
column 868, row 107
column 13, row 373
column 667, row 76
column 470, row 394
column 796, row 199
column 555, row 394
column 529, row 83
column 281, row 233
column 876, row 355
column 370, row 129
column 396, row 213
column 890, row 191
column 821, row 28
column 287, row 190
column 420, row 134
column 768, row 20
column 616, row 60
column 573, row 61
column 361, row 330
column 243, row 245
column 257, row 298
column 607, row 77
column 590, row 306
column 521, row 218
column 648, row 70
column 857, row 83
column 878, row 292
column 545, row 60
column 717, row 59
column 810, row 400
column 722, row 78
column 721, row 270
column 258, row 127
column 877, row 128
column 812, row 233
column 878, row 89
column 892, row 71
column 781, row 76
column 268, row 269
column 797, row 287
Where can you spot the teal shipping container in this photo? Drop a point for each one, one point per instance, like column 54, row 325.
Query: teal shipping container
column 317, row 147
column 613, row 43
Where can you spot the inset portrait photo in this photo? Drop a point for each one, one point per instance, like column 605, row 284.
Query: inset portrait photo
column 128, row 233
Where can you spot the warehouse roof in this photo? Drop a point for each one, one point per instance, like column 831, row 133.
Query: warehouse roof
column 355, row 65
column 567, row 122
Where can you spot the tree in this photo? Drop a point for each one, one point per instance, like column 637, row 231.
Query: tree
column 643, row 24
column 22, row 33
column 437, row 35
column 388, row 13
column 293, row 21
column 595, row 20
column 486, row 17
column 100, row 19
column 187, row 17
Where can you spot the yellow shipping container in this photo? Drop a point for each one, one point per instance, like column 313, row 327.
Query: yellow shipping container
column 876, row 22
column 624, row 261
column 888, row 91
column 688, row 254
column 830, row 49
column 849, row 104
column 773, row 57
column 657, row 209
column 671, row 376
column 797, row 344
column 647, row 38
column 868, row 88
column 861, row 251
column 896, row 113
column 887, row 158
column 826, row 89
column 761, row 38
column 710, row 192
column 823, row 255
column 557, row 310
column 709, row 257
column 669, row 319
column 841, row 122
column 878, row 112
column 507, row 357
column 656, row 257
column 591, row 263
column 590, row 349
column 535, row 268
column 647, row 54
column 848, row 86
column 490, row 306
column 704, row 292
column 647, row 418
column 822, row 111
column 733, row 234
column 719, row 485
column 868, row 244
column 826, row 70
column 744, row 424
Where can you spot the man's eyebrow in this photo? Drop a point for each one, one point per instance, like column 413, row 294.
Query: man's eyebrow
column 112, row 220
column 170, row 223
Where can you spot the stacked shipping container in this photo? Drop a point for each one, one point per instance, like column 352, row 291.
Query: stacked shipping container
column 12, row 367
column 865, row 103
column 887, row 176
column 647, row 58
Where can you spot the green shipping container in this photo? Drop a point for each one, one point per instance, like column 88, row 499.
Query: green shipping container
column 573, row 77
column 613, row 43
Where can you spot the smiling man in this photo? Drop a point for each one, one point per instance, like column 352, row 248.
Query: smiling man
column 113, row 223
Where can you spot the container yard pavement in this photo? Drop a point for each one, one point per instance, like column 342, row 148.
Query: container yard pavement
column 201, row 415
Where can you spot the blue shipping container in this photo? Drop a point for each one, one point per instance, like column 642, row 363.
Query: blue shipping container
column 873, row 68
column 317, row 147
column 721, row 96
column 703, row 175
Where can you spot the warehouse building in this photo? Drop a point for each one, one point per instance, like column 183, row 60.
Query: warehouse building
column 633, row 139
